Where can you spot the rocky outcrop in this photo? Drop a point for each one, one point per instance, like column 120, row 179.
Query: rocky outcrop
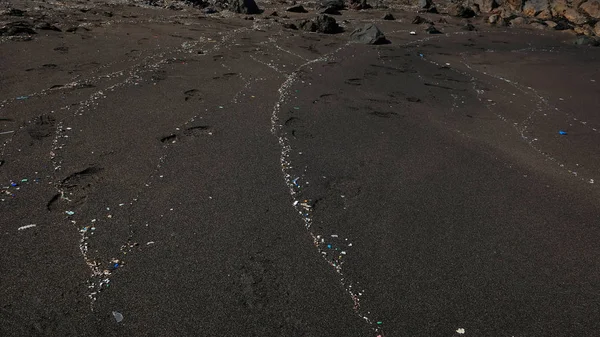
column 582, row 17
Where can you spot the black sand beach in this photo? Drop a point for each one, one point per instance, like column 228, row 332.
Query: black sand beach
column 167, row 172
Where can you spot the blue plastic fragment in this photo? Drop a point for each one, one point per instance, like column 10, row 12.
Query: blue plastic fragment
column 561, row 132
column 13, row 184
column 329, row 246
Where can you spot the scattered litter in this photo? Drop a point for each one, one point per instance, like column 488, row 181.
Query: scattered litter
column 413, row 33
column 20, row 98
column 305, row 204
column 115, row 263
column 26, row 227
column 561, row 132
column 70, row 212
column 6, row 132
column 13, row 184
column 118, row 316
column 460, row 331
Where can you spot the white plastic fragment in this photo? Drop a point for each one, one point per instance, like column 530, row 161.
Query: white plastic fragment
column 26, row 227
column 413, row 33
column 460, row 331
column 118, row 316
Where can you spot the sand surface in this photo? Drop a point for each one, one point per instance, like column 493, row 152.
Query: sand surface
column 207, row 175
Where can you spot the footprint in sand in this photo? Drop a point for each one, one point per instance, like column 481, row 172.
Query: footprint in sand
column 188, row 134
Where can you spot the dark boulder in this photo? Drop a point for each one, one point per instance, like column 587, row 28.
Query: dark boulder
column 425, row 4
column 469, row 27
column 359, row 4
column 389, row 16
column 461, row 11
column 243, row 6
column 331, row 11
column 321, row 24
column 335, row 4
column 368, row 34
column 586, row 41
column 15, row 12
column 419, row 20
column 47, row 26
column 432, row 30
column 297, row 9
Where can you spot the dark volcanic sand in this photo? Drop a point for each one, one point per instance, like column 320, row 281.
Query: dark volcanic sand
column 258, row 181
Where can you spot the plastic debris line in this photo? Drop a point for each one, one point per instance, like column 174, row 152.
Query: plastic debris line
column 332, row 248
column 101, row 270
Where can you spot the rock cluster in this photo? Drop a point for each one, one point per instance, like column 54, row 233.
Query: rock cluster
column 580, row 16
